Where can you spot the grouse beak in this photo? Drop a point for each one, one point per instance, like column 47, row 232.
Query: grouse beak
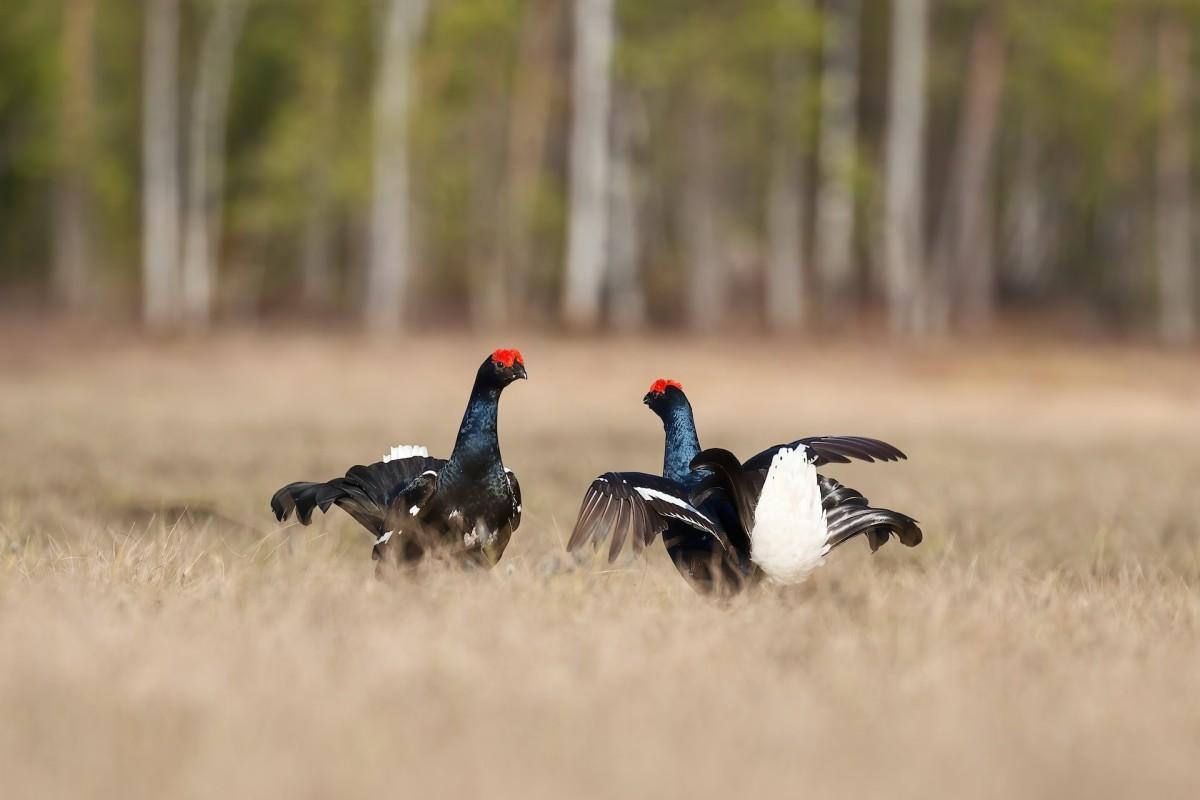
column 521, row 373
column 649, row 396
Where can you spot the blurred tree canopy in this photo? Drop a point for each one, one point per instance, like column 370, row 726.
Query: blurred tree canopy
column 1087, row 167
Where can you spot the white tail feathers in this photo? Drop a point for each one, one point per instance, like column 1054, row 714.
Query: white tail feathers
column 405, row 451
column 790, row 537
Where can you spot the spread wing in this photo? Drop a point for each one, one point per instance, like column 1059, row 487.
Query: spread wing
column 847, row 512
column 635, row 505
column 832, row 450
column 365, row 492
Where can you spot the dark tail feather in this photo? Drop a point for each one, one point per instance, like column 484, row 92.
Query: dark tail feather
column 848, row 515
column 728, row 475
column 302, row 497
column 364, row 493
column 877, row 524
column 355, row 499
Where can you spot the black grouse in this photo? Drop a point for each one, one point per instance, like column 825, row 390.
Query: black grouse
column 725, row 524
column 466, row 506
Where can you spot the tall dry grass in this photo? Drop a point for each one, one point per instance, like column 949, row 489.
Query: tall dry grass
column 161, row 636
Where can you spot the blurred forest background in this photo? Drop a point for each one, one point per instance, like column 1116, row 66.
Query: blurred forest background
column 934, row 165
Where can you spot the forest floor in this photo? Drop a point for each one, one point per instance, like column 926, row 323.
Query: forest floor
column 162, row 636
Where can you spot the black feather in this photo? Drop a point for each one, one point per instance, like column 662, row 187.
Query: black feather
column 728, row 475
column 365, row 492
column 847, row 514
column 831, row 450
column 614, row 507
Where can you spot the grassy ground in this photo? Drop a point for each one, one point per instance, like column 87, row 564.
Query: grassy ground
column 161, row 636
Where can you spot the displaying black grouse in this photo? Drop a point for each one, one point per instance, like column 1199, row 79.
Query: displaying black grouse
column 726, row 524
column 466, row 506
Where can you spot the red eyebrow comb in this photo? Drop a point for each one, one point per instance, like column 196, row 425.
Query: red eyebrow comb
column 660, row 385
column 506, row 358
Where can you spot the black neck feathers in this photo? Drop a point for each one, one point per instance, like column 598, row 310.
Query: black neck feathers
column 477, row 437
column 682, row 442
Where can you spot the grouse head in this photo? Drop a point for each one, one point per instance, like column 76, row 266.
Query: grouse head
column 664, row 395
column 503, row 367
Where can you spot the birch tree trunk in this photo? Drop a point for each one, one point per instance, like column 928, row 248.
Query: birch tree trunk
column 627, row 300
column 904, row 241
column 1028, row 224
column 160, row 167
column 528, row 129
column 963, row 248
column 1125, row 235
column 834, row 229
column 587, row 235
column 206, row 160
column 785, row 279
column 73, row 198
column 1176, row 264
column 321, row 78
column 486, row 292
column 316, row 248
column 390, row 247
column 699, row 219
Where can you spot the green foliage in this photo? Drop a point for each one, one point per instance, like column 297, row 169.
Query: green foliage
column 29, row 60
column 1080, row 82
column 459, row 134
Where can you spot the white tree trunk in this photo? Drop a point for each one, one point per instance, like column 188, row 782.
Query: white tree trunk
column 1028, row 226
column 487, row 294
column 785, row 279
column 628, row 302
column 904, row 241
column 1176, row 260
column 530, row 116
column 700, row 217
column 316, row 250
column 321, row 79
column 1125, row 223
column 974, row 243
column 963, row 248
column 206, row 160
column 587, row 235
column 834, row 229
column 73, row 197
column 390, row 247
column 160, row 167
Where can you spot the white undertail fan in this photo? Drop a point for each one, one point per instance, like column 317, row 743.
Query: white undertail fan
column 794, row 516
column 401, row 451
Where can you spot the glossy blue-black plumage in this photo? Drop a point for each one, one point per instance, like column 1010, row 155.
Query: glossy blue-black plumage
column 698, row 556
column 478, row 442
column 705, row 514
column 682, row 442
column 467, row 505
column 474, row 483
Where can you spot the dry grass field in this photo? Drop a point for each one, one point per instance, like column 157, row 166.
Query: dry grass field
column 161, row 636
